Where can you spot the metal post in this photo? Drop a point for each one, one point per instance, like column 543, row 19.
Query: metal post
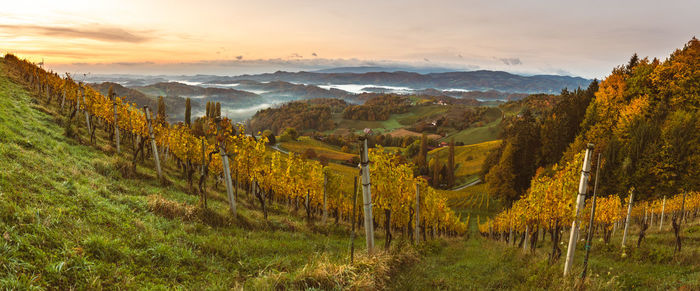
column 582, row 189
column 153, row 142
column 367, row 196
column 589, row 237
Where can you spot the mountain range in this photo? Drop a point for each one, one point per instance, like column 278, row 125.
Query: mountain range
column 474, row 80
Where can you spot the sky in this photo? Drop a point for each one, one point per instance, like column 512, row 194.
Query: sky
column 581, row 38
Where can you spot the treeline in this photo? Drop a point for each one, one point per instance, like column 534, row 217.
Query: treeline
column 536, row 137
column 297, row 114
column 457, row 117
column 377, row 108
column 643, row 119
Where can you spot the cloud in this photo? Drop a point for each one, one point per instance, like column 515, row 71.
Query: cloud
column 133, row 63
column 511, row 61
column 296, row 56
column 239, row 57
column 426, row 59
column 248, row 66
column 94, row 32
column 314, row 54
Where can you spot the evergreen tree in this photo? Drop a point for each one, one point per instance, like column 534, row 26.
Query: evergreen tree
column 188, row 110
column 161, row 116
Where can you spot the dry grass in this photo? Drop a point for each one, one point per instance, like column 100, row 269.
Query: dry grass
column 321, row 149
column 367, row 273
column 401, row 132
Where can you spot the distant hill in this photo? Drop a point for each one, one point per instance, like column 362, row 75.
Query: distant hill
column 369, row 69
column 174, row 105
column 474, row 80
column 127, row 94
column 281, row 89
column 179, row 89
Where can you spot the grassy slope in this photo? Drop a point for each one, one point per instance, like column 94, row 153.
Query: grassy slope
column 322, row 149
column 69, row 219
column 474, row 135
column 395, row 121
column 468, row 159
column 478, row 263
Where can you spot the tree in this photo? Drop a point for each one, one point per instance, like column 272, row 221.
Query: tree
column 110, row 92
column 188, row 111
column 421, row 160
column 161, row 117
column 271, row 140
column 501, row 178
column 218, row 109
column 289, row 134
column 451, row 164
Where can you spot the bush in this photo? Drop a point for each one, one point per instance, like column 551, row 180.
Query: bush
column 309, row 154
column 289, row 134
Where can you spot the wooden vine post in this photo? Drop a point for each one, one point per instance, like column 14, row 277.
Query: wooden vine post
column 227, row 170
column 367, row 196
column 63, row 99
column 87, row 115
column 352, row 221
column 663, row 208
column 580, row 202
column 325, row 197
column 416, row 230
column 589, row 236
column 116, row 126
column 153, row 142
column 627, row 221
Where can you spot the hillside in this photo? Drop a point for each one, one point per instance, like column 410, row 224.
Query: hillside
column 73, row 217
column 475, row 80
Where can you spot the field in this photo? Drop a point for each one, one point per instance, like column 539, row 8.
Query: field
column 401, row 132
column 468, row 159
column 322, row 149
column 394, row 122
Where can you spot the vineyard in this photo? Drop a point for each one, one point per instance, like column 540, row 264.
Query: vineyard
column 268, row 175
column 98, row 193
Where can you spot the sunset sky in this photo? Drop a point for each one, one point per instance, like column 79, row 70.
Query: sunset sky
column 584, row 38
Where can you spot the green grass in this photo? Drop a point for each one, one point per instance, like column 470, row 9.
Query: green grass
column 475, row 135
column 322, row 149
column 468, row 159
column 395, row 121
column 479, row 263
column 419, row 112
column 69, row 219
